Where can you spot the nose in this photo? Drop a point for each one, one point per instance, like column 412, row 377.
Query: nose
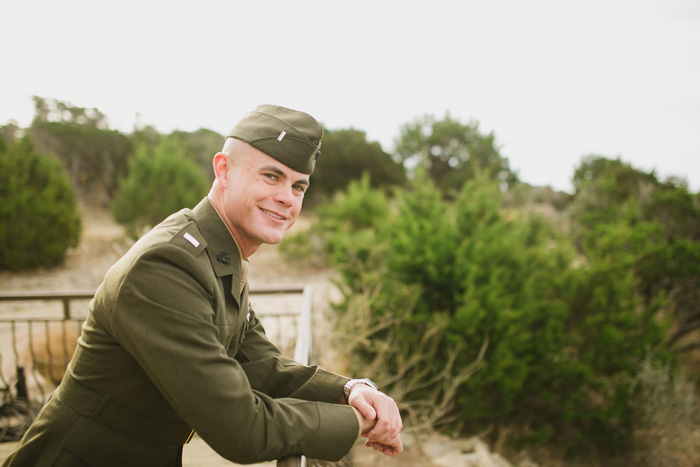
column 284, row 195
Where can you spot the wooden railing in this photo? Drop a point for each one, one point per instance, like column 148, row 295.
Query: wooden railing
column 65, row 297
column 69, row 326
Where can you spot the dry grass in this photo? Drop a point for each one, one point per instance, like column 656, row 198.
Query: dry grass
column 51, row 348
column 668, row 433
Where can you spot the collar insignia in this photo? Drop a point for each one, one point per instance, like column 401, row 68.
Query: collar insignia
column 223, row 258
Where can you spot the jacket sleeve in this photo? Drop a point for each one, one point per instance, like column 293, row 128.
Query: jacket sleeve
column 278, row 376
column 163, row 317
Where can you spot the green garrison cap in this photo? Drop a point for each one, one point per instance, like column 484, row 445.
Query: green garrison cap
column 290, row 136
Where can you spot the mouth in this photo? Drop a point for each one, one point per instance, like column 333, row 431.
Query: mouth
column 273, row 215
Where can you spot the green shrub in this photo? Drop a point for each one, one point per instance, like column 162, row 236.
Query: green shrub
column 628, row 217
column 39, row 219
column 159, row 183
column 557, row 336
column 346, row 232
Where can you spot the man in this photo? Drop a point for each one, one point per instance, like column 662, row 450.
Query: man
column 171, row 345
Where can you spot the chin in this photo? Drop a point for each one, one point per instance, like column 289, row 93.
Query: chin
column 274, row 239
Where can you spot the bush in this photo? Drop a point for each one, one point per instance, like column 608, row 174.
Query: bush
column 159, row 183
column 433, row 285
column 626, row 216
column 39, row 219
column 345, row 235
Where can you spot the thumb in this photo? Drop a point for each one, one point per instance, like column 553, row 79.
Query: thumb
column 365, row 409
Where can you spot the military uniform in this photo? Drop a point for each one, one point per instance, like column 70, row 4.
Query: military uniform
column 171, row 345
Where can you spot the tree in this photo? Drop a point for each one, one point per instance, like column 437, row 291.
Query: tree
column 10, row 132
column 160, row 181
column 94, row 156
column 345, row 156
column 199, row 146
column 39, row 219
column 660, row 225
column 451, row 152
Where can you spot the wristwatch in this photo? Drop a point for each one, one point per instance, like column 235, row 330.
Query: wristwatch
column 348, row 386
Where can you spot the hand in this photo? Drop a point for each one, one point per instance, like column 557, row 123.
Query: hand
column 366, row 424
column 383, row 435
column 391, row 451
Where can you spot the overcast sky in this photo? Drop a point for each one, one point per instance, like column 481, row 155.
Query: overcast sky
column 554, row 80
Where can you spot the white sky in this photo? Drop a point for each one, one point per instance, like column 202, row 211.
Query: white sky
column 554, row 80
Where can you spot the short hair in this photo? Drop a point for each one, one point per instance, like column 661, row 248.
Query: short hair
column 234, row 148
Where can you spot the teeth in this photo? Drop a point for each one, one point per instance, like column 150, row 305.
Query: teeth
column 272, row 214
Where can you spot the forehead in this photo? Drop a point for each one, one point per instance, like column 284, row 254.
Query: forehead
column 257, row 160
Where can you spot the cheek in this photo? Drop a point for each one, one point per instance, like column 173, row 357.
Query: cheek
column 297, row 206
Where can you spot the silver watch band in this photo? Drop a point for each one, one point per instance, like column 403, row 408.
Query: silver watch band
column 352, row 382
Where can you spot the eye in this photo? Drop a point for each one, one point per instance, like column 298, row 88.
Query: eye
column 271, row 176
column 299, row 188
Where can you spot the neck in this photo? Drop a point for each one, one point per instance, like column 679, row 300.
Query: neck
column 216, row 201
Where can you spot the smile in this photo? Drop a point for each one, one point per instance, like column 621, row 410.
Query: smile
column 272, row 214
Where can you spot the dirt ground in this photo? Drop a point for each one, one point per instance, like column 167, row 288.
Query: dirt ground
column 103, row 243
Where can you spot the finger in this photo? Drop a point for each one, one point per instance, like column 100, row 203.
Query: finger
column 396, row 445
column 386, row 450
column 364, row 407
column 388, row 419
column 386, row 428
column 379, row 447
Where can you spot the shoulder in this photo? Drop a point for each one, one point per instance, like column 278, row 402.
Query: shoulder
column 179, row 230
column 190, row 238
column 175, row 241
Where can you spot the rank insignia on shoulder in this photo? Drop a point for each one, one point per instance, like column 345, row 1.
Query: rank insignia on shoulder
column 191, row 239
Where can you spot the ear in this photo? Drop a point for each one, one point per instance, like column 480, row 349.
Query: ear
column 221, row 168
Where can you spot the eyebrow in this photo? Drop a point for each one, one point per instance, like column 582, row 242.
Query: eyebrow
column 284, row 175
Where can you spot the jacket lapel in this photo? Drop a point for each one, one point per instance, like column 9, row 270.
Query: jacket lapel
column 221, row 248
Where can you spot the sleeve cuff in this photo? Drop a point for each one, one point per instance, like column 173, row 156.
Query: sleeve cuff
column 323, row 386
column 337, row 432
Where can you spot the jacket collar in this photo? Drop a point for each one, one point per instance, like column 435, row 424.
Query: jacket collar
column 222, row 249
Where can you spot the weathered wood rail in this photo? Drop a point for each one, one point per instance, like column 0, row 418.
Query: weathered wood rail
column 64, row 297
column 53, row 358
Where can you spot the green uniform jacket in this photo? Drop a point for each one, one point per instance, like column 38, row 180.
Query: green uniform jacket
column 169, row 346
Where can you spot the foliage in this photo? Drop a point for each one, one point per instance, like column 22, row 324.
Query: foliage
column 94, row 156
column 627, row 216
column 160, row 182
column 39, row 219
column 468, row 285
column 452, row 152
column 346, row 229
column 10, row 132
column 353, row 237
column 199, row 146
column 345, row 156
